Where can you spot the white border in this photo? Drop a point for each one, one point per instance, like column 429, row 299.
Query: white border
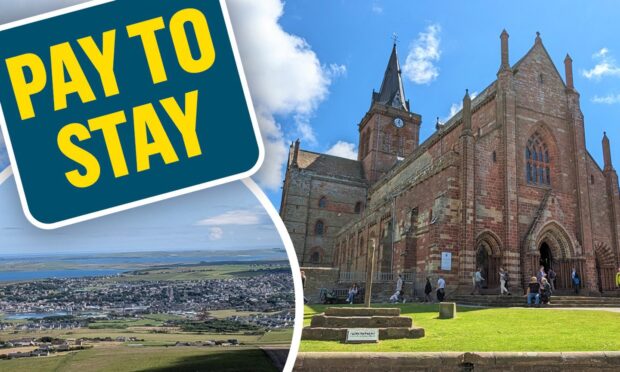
column 292, row 258
column 70, row 221
column 295, row 270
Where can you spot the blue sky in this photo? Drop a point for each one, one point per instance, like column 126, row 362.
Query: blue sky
column 355, row 37
column 221, row 218
column 312, row 64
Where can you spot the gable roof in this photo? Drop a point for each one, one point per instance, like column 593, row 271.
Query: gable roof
column 330, row 165
column 538, row 44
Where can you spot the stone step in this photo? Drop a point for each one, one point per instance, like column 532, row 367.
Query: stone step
column 361, row 321
column 361, row 311
column 340, row 334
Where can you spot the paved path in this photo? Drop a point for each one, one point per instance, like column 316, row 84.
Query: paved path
column 278, row 355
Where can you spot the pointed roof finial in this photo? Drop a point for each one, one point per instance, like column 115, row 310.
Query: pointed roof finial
column 568, row 72
column 538, row 39
column 394, row 38
column 505, row 63
column 606, row 153
column 466, row 93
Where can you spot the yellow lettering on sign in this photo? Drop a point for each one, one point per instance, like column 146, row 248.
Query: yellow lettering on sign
column 185, row 120
column 181, row 43
column 63, row 58
column 107, row 124
column 146, row 31
column 103, row 60
column 146, row 121
column 79, row 155
column 23, row 89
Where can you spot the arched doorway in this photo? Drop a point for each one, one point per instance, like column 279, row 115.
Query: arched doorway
column 553, row 249
column 546, row 256
column 605, row 267
column 488, row 258
column 482, row 262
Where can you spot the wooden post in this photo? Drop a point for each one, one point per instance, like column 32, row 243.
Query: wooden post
column 369, row 273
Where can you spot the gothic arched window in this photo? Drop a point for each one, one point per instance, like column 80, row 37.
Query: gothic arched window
column 319, row 228
column 315, row 258
column 538, row 167
column 358, row 207
column 322, row 202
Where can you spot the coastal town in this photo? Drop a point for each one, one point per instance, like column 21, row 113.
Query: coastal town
column 175, row 302
column 99, row 296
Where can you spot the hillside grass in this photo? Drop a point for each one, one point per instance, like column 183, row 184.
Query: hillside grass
column 148, row 359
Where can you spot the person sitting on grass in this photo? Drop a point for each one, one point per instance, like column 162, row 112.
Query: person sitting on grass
column 352, row 293
column 545, row 292
column 533, row 292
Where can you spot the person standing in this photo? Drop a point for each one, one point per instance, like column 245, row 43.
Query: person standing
column 541, row 274
column 576, row 280
column 618, row 278
column 478, row 282
column 303, row 285
column 551, row 275
column 428, row 289
column 399, row 285
column 441, row 288
column 503, row 279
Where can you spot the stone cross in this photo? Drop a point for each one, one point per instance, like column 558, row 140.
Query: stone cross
column 369, row 273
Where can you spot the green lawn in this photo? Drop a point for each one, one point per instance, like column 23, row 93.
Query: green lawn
column 478, row 329
column 148, row 359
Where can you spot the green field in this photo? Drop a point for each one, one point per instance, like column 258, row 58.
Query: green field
column 483, row 329
column 194, row 272
column 273, row 337
column 148, row 359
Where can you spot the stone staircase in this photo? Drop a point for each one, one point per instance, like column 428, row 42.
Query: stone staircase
column 521, row 301
column 334, row 323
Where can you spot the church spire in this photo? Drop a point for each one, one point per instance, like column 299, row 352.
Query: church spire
column 392, row 92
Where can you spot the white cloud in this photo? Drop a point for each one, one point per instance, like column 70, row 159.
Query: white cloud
column 424, row 52
column 285, row 77
column 377, row 8
column 234, row 217
column 609, row 99
column 606, row 66
column 344, row 150
column 335, row 70
column 216, row 233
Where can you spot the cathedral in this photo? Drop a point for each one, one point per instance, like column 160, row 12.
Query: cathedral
column 506, row 182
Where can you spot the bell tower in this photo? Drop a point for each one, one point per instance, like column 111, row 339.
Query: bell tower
column 389, row 131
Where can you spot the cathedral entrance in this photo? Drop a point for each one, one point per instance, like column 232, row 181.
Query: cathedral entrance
column 482, row 262
column 488, row 259
column 546, row 257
